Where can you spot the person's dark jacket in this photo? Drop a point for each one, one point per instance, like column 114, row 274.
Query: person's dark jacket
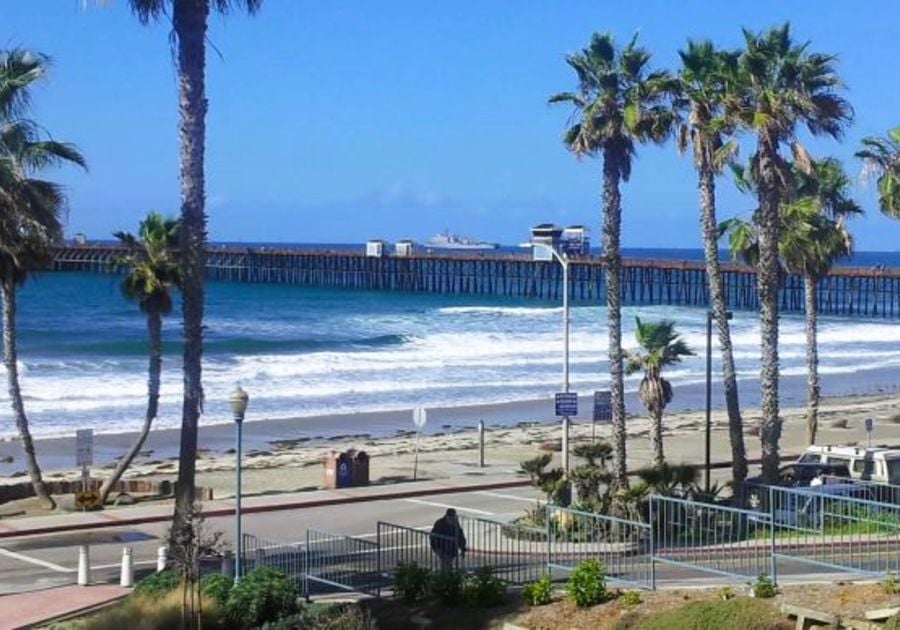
column 447, row 539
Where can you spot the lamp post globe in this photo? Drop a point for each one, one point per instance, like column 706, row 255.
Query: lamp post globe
column 238, row 401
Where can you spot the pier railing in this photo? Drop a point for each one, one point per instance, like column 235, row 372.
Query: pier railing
column 845, row 291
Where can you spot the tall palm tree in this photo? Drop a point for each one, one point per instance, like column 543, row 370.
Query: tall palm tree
column 189, row 24
column 618, row 103
column 31, row 212
column 662, row 347
column 881, row 158
column 707, row 80
column 153, row 272
column 784, row 86
column 812, row 237
column 815, row 238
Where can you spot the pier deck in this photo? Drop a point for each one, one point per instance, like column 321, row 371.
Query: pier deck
column 873, row 292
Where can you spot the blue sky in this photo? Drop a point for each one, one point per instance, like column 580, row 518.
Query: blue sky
column 340, row 121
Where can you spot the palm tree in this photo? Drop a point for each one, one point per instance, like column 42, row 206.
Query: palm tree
column 662, row 347
column 707, row 79
column 618, row 103
column 815, row 237
column 812, row 237
column 31, row 212
column 153, row 272
column 189, row 23
column 881, row 157
column 783, row 86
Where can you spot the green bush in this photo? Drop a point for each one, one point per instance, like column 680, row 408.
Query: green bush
column 157, row 585
column 483, row 589
column 260, row 596
column 631, row 598
column 764, row 587
column 332, row 617
column 587, row 584
column 217, row 587
column 891, row 584
column 538, row 593
column 739, row 612
column 411, row 582
column 892, row 624
column 446, row 587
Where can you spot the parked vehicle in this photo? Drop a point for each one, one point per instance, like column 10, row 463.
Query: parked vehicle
column 807, row 508
column 878, row 464
column 799, row 474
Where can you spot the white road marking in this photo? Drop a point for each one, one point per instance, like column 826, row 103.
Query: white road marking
column 113, row 565
column 37, row 561
column 446, row 506
column 511, row 497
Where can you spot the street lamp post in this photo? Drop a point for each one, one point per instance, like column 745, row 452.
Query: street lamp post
column 709, row 320
column 563, row 260
column 238, row 401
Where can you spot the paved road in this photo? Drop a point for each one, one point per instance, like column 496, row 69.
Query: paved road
column 43, row 561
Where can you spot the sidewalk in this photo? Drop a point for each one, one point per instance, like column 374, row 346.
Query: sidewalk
column 162, row 511
column 24, row 610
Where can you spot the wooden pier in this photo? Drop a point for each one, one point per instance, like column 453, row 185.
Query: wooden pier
column 872, row 292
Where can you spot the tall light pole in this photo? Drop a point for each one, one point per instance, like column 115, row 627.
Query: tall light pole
column 238, row 401
column 709, row 320
column 563, row 260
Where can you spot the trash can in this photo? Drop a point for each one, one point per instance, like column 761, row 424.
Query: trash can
column 360, row 468
column 338, row 470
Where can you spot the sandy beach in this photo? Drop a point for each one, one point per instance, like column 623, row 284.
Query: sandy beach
column 276, row 459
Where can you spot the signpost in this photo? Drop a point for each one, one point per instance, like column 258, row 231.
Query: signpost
column 870, row 422
column 602, row 410
column 420, row 417
column 84, row 459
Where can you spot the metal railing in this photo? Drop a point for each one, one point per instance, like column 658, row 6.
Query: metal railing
column 874, row 490
column 399, row 545
column 624, row 547
column 712, row 538
column 815, row 526
column 516, row 553
column 288, row 558
column 342, row 562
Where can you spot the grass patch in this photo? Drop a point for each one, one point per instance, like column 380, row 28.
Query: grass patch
column 740, row 612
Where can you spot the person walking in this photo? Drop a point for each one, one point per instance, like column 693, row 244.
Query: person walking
column 447, row 539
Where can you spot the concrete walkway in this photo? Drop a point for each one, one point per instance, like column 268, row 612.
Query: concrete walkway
column 25, row 610
column 162, row 511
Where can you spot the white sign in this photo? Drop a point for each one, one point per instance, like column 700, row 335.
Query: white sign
column 84, row 447
column 420, row 417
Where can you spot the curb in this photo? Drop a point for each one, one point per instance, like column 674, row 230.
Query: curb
column 274, row 507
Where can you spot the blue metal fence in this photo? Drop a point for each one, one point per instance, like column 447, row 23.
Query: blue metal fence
column 872, row 490
column 623, row 546
column 717, row 539
column 342, row 562
column 815, row 525
column 517, row 554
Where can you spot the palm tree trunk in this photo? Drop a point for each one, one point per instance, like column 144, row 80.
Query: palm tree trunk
column 709, row 228
column 767, row 279
column 812, row 359
column 190, row 23
column 612, row 267
column 10, row 357
column 656, row 436
column 154, row 331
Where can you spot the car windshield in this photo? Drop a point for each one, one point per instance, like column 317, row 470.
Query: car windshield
column 893, row 468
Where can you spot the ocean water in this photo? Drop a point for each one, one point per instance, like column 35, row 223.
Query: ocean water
column 303, row 351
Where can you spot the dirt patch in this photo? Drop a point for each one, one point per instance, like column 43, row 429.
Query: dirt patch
column 842, row 599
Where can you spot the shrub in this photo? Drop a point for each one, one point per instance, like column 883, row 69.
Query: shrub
column 411, row 582
column 891, row 584
column 446, row 587
column 157, row 585
column 261, row 595
column 725, row 593
column 483, row 589
column 217, row 587
column 764, row 587
column 538, row 593
column 587, row 584
column 631, row 598
column 148, row 613
column 892, row 624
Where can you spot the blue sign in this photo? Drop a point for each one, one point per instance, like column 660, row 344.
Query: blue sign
column 566, row 404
